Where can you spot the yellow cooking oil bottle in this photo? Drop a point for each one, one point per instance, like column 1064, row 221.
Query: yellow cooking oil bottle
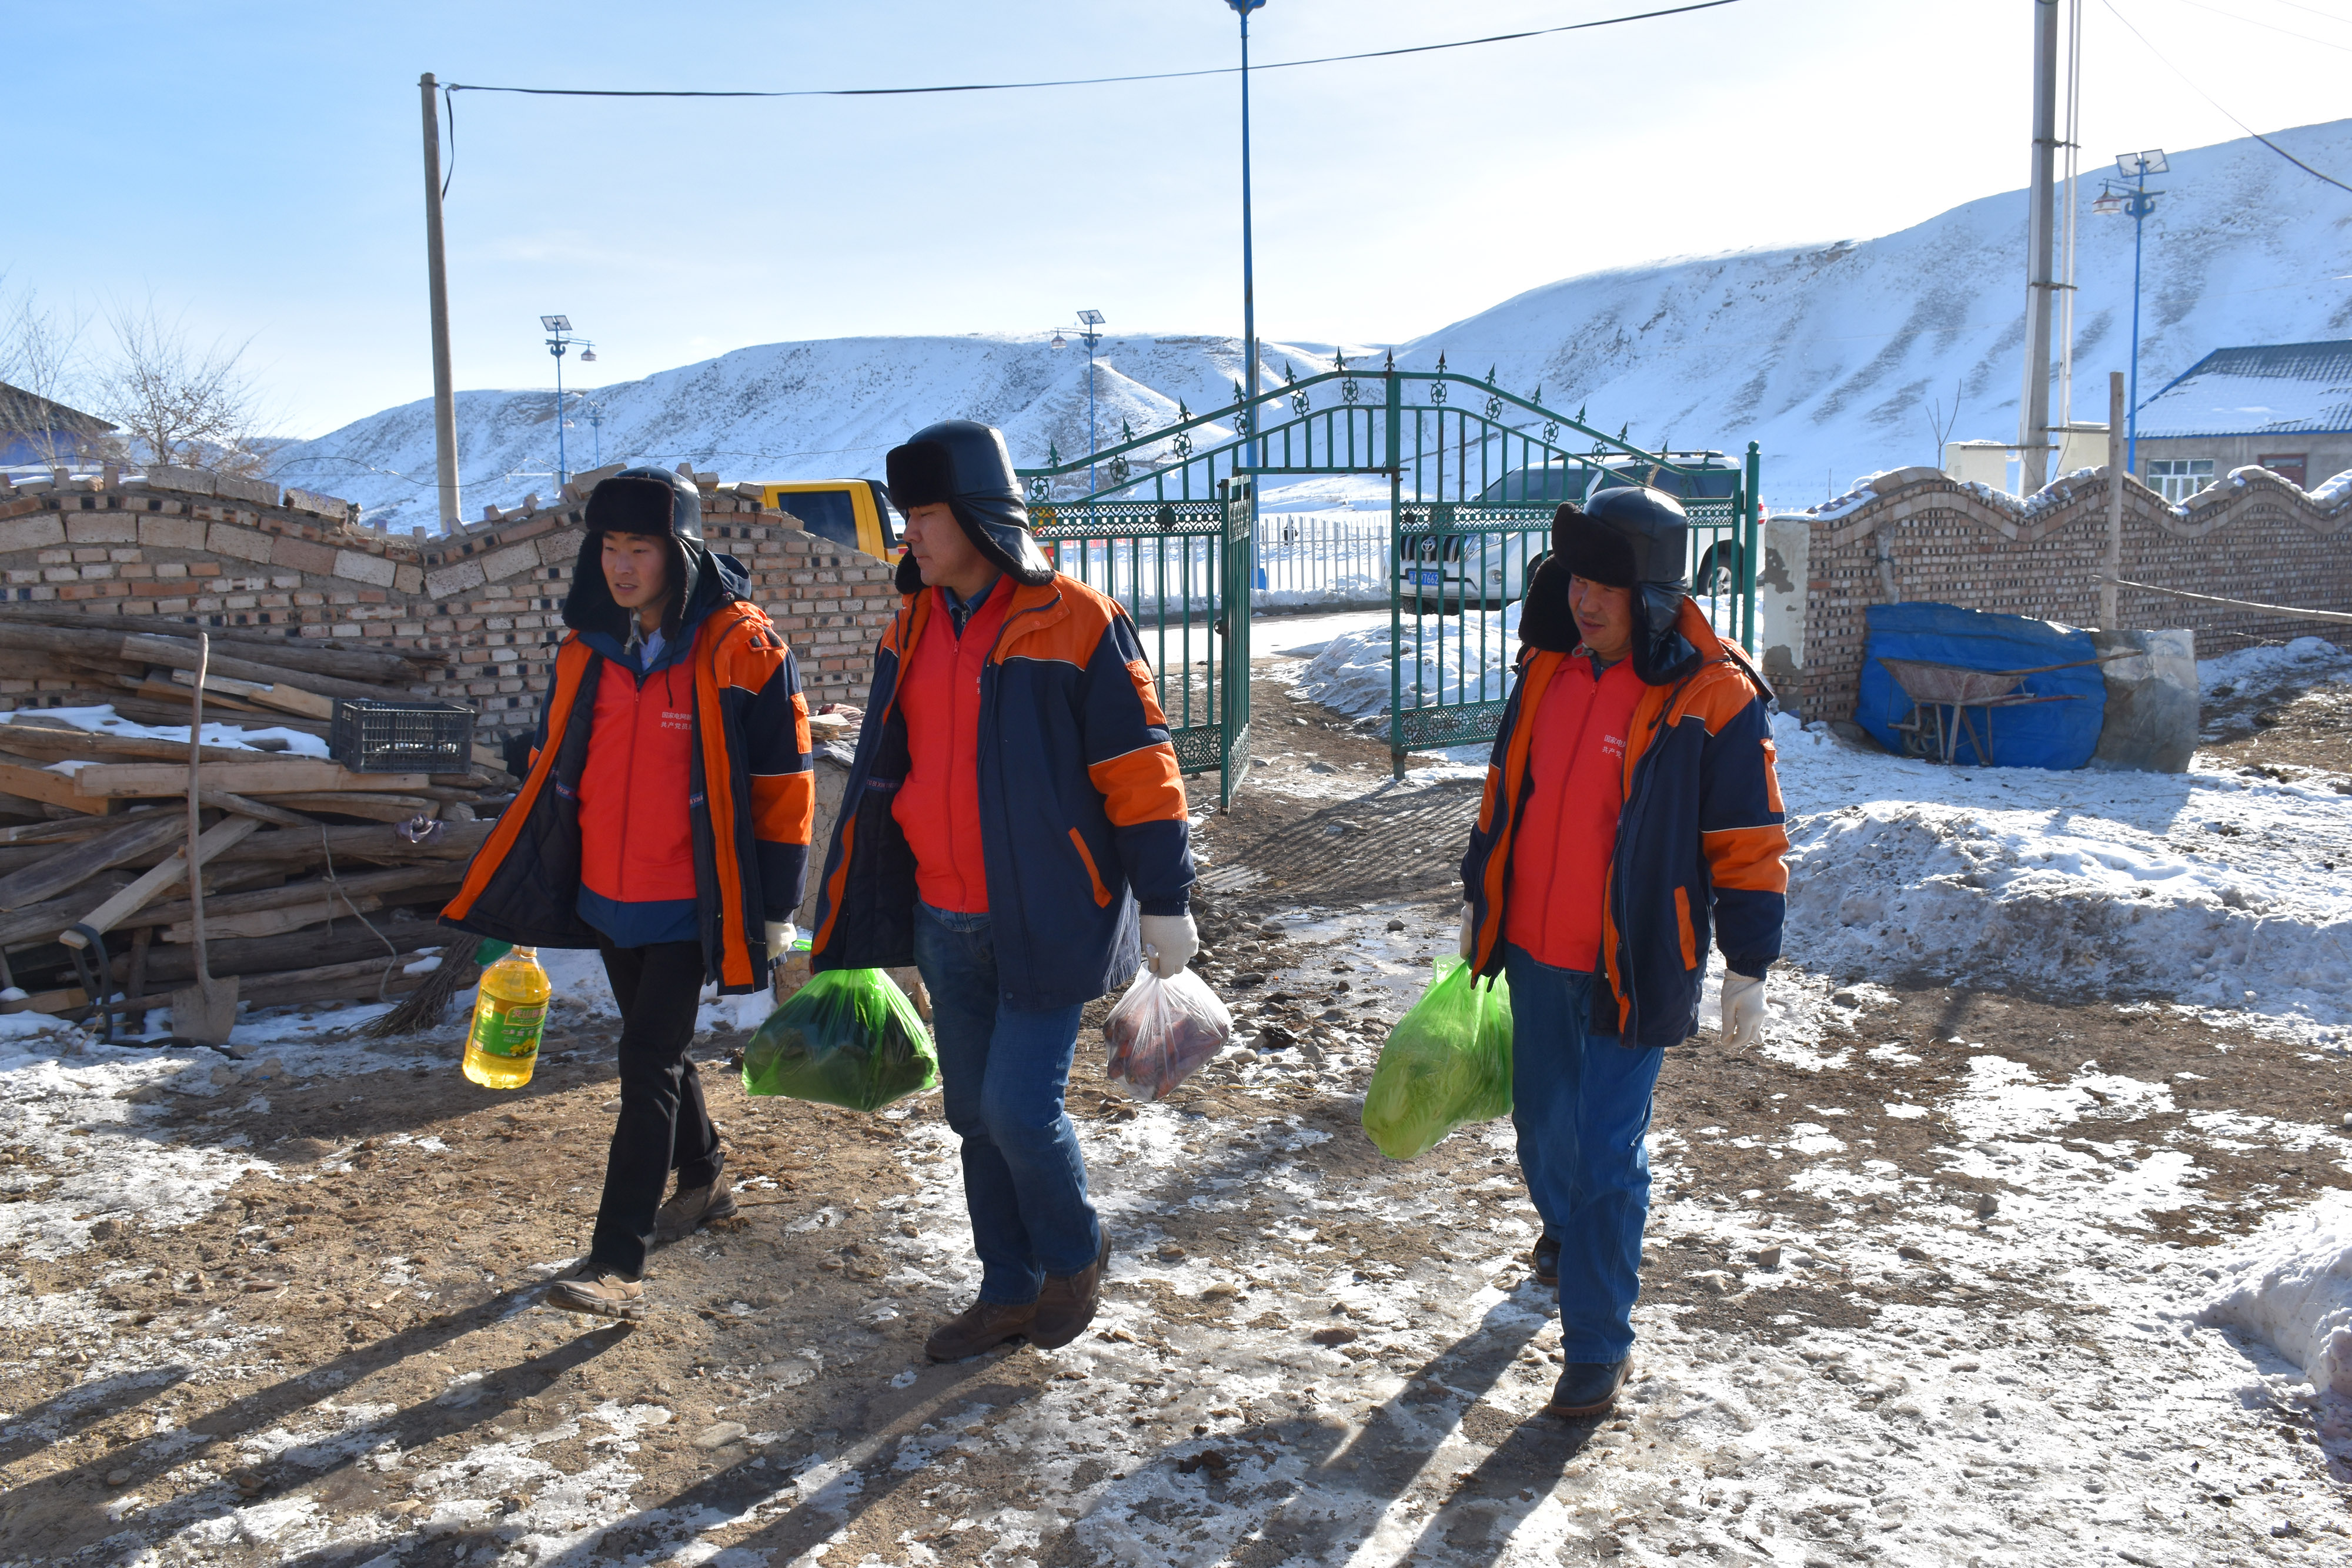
column 509, row 1015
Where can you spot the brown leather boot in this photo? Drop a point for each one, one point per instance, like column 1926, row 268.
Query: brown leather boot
column 984, row 1325
column 1067, row 1305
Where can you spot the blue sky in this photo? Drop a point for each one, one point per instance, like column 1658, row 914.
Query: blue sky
column 256, row 167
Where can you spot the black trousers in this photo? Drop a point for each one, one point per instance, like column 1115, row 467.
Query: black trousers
column 663, row 1125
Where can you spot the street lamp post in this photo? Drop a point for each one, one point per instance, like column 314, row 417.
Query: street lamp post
column 559, row 338
column 1249, row 285
column 1089, row 333
column 2135, row 201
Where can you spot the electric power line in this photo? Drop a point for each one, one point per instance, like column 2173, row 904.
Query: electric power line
column 2273, row 27
column 2225, row 114
column 452, row 88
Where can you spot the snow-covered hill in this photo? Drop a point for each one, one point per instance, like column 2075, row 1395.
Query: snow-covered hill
column 1829, row 356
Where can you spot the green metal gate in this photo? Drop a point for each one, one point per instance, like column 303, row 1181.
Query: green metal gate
column 1474, row 473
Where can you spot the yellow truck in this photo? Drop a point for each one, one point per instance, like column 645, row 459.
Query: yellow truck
column 854, row 513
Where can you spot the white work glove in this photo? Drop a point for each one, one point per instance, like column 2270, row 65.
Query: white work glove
column 781, row 934
column 1469, row 935
column 1169, row 942
column 1743, row 1010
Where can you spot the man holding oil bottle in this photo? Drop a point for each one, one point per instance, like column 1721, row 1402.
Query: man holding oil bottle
column 665, row 823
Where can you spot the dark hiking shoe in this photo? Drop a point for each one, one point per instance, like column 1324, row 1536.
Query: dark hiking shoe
column 1587, row 1388
column 1067, row 1305
column 591, row 1287
column 984, row 1325
column 691, row 1209
column 1547, row 1260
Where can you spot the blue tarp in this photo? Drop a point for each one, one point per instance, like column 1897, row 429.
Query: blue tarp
column 2038, row 735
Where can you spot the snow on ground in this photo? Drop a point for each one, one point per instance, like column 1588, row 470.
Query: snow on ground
column 104, row 720
column 2213, row 889
column 2138, row 1378
column 2268, row 669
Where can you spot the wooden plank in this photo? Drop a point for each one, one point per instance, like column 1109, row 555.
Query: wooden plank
column 259, row 923
column 309, row 894
column 263, row 775
column 175, row 710
column 70, row 865
column 165, row 691
column 135, row 897
column 42, row 922
column 239, row 806
column 321, row 656
column 25, row 775
column 54, row 741
column 365, row 803
column 374, row 843
column 289, row 699
column 178, row 654
column 59, row 833
column 282, row 991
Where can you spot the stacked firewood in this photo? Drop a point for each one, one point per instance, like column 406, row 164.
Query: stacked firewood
column 320, row 884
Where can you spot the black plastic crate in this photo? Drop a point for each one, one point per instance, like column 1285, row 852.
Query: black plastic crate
column 402, row 738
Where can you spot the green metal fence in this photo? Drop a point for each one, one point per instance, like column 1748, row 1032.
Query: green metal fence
column 1474, row 473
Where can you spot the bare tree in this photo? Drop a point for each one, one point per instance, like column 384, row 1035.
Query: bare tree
column 175, row 402
column 1941, row 423
column 40, row 358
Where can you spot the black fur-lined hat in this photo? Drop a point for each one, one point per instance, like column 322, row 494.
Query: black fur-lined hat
column 964, row 465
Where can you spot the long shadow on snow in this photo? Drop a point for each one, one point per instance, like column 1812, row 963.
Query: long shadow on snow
column 55, row 1420
column 67, row 1492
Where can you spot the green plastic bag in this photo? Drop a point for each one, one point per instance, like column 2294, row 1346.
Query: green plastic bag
column 848, row 1038
column 1446, row 1063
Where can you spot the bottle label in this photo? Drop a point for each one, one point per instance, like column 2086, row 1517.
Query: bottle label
column 509, row 1031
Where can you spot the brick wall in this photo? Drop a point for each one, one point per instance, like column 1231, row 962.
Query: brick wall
column 485, row 604
column 1918, row 535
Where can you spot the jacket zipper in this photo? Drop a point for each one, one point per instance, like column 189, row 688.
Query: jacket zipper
column 988, row 738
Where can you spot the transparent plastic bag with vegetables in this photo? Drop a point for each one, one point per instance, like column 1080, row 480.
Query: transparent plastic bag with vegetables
column 1446, row 1064
column 1162, row 1031
column 848, row 1038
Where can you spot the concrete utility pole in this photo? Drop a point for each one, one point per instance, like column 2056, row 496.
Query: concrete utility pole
column 2115, row 471
column 2034, row 407
column 436, row 274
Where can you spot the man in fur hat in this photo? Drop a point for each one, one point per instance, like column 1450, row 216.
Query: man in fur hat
column 1013, row 825
column 1632, row 810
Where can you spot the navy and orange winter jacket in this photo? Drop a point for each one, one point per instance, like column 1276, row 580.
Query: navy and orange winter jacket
column 1081, row 803
column 1699, row 836
column 748, row 795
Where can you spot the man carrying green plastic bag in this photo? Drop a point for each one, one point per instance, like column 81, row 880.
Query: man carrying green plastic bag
column 1446, row 1064
column 1630, row 812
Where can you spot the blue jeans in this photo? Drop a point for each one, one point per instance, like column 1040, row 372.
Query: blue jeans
column 1003, row 1073
column 1581, row 1104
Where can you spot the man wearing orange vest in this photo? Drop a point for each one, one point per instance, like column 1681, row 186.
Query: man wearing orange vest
column 1631, row 809
column 1014, row 826
column 665, row 823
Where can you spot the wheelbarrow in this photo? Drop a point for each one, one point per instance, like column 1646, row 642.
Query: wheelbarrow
column 1943, row 697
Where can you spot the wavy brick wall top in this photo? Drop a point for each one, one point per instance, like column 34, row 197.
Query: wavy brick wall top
column 485, row 604
column 1917, row 534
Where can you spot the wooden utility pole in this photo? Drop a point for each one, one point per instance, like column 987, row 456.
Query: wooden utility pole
column 2041, row 287
column 2115, row 551
column 436, row 273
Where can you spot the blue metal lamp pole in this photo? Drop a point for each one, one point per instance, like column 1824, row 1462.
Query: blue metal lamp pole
column 559, row 338
column 1090, row 331
column 2135, row 203
column 1252, row 451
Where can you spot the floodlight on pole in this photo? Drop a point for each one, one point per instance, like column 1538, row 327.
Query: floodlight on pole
column 2135, row 202
column 559, row 338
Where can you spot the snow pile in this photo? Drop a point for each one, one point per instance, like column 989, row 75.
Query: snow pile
column 2268, row 667
column 2091, row 883
column 2291, row 1288
column 1454, row 659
